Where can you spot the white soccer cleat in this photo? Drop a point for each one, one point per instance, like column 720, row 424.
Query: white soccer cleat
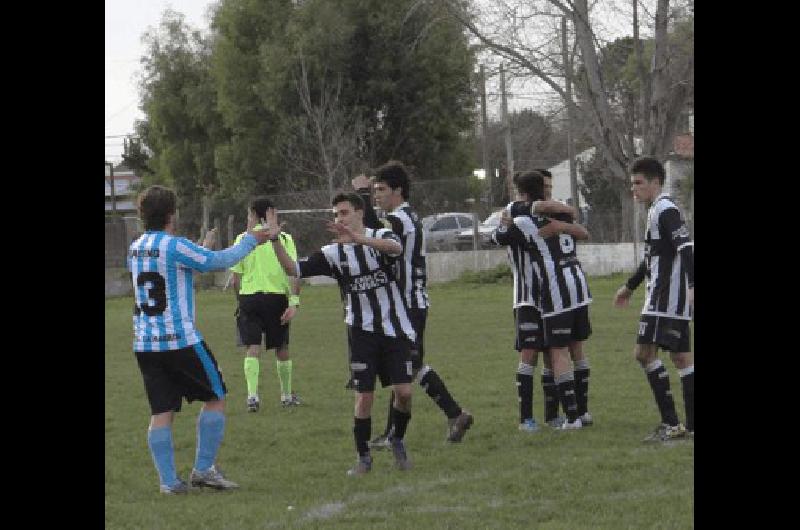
column 567, row 426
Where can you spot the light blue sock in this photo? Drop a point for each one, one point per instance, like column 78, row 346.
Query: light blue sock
column 210, row 428
column 160, row 442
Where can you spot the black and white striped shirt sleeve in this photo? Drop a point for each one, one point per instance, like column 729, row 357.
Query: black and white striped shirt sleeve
column 671, row 223
column 316, row 264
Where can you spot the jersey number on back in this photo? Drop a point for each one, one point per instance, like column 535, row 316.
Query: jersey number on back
column 156, row 292
column 567, row 243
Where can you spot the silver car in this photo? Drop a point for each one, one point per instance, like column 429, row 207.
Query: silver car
column 441, row 230
column 485, row 230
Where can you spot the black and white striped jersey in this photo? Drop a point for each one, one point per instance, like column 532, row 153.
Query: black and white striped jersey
column 667, row 281
column 563, row 284
column 411, row 272
column 524, row 268
column 372, row 297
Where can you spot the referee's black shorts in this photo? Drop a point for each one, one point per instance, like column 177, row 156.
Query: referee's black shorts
column 260, row 314
column 190, row 373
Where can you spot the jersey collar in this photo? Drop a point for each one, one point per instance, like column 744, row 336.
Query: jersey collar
column 404, row 205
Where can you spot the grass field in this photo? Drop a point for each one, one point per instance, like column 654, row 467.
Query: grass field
column 291, row 463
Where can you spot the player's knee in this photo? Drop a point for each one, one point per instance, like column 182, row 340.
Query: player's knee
column 643, row 355
column 282, row 354
column 528, row 356
column 682, row 360
column 402, row 395
column 363, row 404
column 215, row 405
column 161, row 420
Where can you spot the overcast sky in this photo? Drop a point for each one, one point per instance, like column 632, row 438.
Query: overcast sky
column 126, row 21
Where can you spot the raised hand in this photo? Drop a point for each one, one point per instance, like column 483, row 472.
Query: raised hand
column 360, row 182
column 210, row 239
column 343, row 233
column 506, row 219
column 270, row 227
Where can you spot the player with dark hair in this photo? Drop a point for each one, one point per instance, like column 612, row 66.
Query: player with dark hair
column 668, row 265
column 174, row 360
column 579, row 357
column 267, row 301
column 361, row 260
column 392, row 188
column 536, row 255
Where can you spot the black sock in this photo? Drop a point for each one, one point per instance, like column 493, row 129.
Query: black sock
column 389, row 418
column 362, row 428
column 659, row 381
column 435, row 388
column 687, row 382
column 582, row 386
column 566, row 393
column 525, row 391
column 550, row 395
column 401, row 420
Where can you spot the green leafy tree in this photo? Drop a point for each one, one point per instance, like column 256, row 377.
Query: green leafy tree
column 182, row 126
column 404, row 73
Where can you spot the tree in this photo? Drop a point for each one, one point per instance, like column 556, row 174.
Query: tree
column 507, row 29
column 182, row 127
column 243, row 32
column 536, row 142
column 406, row 74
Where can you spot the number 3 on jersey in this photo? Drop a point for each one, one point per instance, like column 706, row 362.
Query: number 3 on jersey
column 156, row 287
column 567, row 243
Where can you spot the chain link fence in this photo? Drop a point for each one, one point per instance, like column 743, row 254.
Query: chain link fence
column 467, row 201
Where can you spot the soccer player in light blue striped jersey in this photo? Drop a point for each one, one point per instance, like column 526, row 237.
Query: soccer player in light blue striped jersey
column 174, row 359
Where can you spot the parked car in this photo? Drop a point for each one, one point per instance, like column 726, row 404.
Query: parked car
column 485, row 229
column 441, row 230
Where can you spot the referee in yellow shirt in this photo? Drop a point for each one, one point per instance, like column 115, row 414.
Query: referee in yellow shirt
column 268, row 300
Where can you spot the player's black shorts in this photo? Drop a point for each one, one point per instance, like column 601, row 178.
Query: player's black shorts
column 528, row 323
column 374, row 354
column 418, row 317
column 566, row 327
column 260, row 314
column 190, row 372
column 671, row 334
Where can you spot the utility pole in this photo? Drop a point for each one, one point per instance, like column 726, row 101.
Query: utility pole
column 484, row 133
column 507, row 130
column 573, row 170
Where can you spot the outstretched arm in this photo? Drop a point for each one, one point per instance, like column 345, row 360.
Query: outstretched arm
column 552, row 208
column 560, row 227
column 344, row 234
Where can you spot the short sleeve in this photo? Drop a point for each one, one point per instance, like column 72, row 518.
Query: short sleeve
column 673, row 227
column 385, row 233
